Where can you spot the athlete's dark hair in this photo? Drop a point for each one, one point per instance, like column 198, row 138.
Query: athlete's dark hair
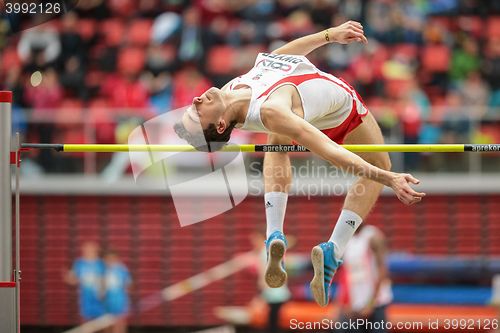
column 210, row 141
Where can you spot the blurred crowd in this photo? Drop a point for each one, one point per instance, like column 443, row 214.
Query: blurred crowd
column 429, row 66
column 103, row 286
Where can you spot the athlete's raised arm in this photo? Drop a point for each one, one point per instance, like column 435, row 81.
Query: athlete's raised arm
column 280, row 120
column 345, row 33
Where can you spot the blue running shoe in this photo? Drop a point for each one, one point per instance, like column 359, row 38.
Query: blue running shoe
column 325, row 266
column 275, row 275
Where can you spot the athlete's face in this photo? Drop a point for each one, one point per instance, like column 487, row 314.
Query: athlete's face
column 205, row 109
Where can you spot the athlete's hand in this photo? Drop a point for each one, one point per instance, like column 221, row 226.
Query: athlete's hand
column 348, row 32
column 400, row 183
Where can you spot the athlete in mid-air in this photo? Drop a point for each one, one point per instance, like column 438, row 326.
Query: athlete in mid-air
column 286, row 96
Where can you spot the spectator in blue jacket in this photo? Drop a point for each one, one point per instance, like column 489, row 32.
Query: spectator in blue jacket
column 116, row 298
column 87, row 273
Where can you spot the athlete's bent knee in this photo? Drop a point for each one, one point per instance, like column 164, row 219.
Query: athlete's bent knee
column 276, row 139
column 382, row 161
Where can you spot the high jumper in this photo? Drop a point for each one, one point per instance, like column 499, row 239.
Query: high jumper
column 289, row 98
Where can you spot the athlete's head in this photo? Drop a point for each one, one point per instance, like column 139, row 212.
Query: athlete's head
column 204, row 124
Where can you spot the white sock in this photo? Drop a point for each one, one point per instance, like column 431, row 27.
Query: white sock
column 346, row 225
column 275, row 203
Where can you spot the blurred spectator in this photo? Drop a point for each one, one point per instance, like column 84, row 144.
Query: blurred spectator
column 465, row 59
column 116, row 287
column 491, row 70
column 160, row 58
column 160, row 61
column 322, row 12
column 256, row 17
column 364, row 283
column 160, row 90
column 494, row 103
column 419, row 97
column 122, row 8
column 495, row 297
column 149, row 8
column 456, row 119
column 245, row 33
column 285, row 7
column 491, row 63
column 72, row 44
column 442, row 7
column 410, row 115
column 366, row 68
column 125, row 91
column 165, row 26
column 19, row 122
column 13, row 81
column 254, row 10
column 87, row 273
column 408, row 20
column 44, row 95
column 416, row 48
column 120, row 161
column 378, row 25
column 73, row 78
column 298, row 24
column 95, row 9
column 39, row 46
column 190, row 48
column 475, row 94
column 274, row 297
column 435, row 32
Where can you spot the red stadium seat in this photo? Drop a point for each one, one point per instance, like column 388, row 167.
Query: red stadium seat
column 435, row 58
column 443, row 21
column 122, row 8
column 139, row 33
column 409, row 51
column 87, row 28
column 10, row 58
column 131, row 60
column 493, row 27
column 472, row 24
column 220, row 60
column 397, row 88
column 113, row 31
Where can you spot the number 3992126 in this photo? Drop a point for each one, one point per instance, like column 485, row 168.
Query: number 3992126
column 14, row 7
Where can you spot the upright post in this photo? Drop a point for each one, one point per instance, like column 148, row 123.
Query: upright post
column 5, row 187
column 8, row 286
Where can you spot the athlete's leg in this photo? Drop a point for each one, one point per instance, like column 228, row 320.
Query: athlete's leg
column 363, row 194
column 359, row 200
column 326, row 257
column 277, row 180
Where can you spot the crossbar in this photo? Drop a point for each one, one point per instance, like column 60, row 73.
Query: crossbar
column 252, row 148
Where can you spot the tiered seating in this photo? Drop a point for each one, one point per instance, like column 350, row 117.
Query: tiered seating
column 146, row 234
